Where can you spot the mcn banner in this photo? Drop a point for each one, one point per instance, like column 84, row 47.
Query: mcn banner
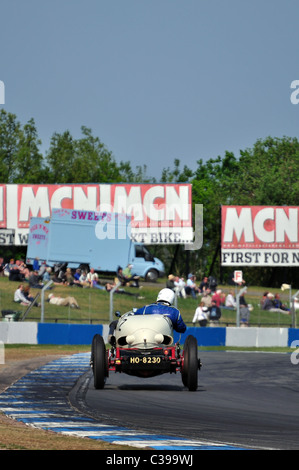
column 259, row 236
column 161, row 213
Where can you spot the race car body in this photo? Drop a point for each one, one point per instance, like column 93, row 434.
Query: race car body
column 142, row 345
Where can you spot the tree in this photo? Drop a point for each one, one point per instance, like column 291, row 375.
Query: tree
column 10, row 130
column 29, row 161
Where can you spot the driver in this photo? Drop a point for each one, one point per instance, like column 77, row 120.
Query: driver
column 163, row 306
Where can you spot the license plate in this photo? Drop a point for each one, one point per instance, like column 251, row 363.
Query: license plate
column 145, row 360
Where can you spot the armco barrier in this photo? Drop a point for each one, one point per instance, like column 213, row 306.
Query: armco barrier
column 72, row 334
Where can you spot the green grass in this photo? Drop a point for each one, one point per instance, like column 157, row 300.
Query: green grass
column 95, row 304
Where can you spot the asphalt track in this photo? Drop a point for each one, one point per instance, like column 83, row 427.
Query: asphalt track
column 244, row 399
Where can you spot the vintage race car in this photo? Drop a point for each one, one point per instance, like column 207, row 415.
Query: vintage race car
column 142, row 345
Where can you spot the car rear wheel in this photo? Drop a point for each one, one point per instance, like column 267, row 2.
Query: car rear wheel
column 190, row 364
column 99, row 362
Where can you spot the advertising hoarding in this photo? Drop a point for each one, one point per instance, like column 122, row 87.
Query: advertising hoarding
column 161, row 213
column 259, row 236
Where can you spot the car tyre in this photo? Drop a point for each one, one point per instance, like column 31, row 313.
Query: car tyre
column 190, row 364
column 99, row 362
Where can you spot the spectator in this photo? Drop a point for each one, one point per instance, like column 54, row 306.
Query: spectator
column 26, row 291
column 191, row 288
column 23, row 270
column 201, row 315
column 65, row 301
column 170, row 282
column 214, row 313
column 212, row 283
column 35, row 264
column 207, row 298
column 109, row 286
column 15, row 273
column 92, row 278
column 179, row 286
column 34, row 281
column 8, row 267
column 77, row 277
column 19, row 296
column 69, row 277
column 269, row 305
column 83, row 279
column 132, row 277
column 204, row 285
column 230, row 301
column 218, row 298
column 42, row 269
column 124, row 278
column 279, row 304
column 47, row 274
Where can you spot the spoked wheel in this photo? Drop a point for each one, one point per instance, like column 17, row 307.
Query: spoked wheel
column 191, row 363
column 99, row 362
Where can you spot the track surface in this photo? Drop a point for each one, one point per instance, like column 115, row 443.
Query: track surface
column 246, row 399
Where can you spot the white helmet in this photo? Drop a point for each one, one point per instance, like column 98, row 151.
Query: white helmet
column 166, row 295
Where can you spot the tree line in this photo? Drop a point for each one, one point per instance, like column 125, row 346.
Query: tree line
column 266, row 174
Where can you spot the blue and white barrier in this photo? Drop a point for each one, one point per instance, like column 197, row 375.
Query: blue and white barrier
column 72, row 334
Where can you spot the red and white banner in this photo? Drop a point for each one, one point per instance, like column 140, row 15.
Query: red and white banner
column 259, row 236
column 161, row 213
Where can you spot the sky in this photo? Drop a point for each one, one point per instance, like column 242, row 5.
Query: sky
column 155, row 80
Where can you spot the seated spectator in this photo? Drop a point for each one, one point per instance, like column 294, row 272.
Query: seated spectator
column 263, row 299
column 69, row 278
column 42, row 269
column 204, row 285
column 60, row 273
column 83, row 279
column 191, row 288
column 214, row 312
column 269, row 305
column 19, row 296
column 34, row 281
column 47, row 275
column 279, row 304
column 23, row 270
column 131, row 277
column 26, row 291
column 207, row 298
column 8, row 267
column 230, row 301
column 218, row 298
column 93, row 279
column 77, row 275
column 15, row 273
column 65, row 301
column 125, row 277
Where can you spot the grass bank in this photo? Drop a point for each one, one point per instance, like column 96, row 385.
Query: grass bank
column 94, row 304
